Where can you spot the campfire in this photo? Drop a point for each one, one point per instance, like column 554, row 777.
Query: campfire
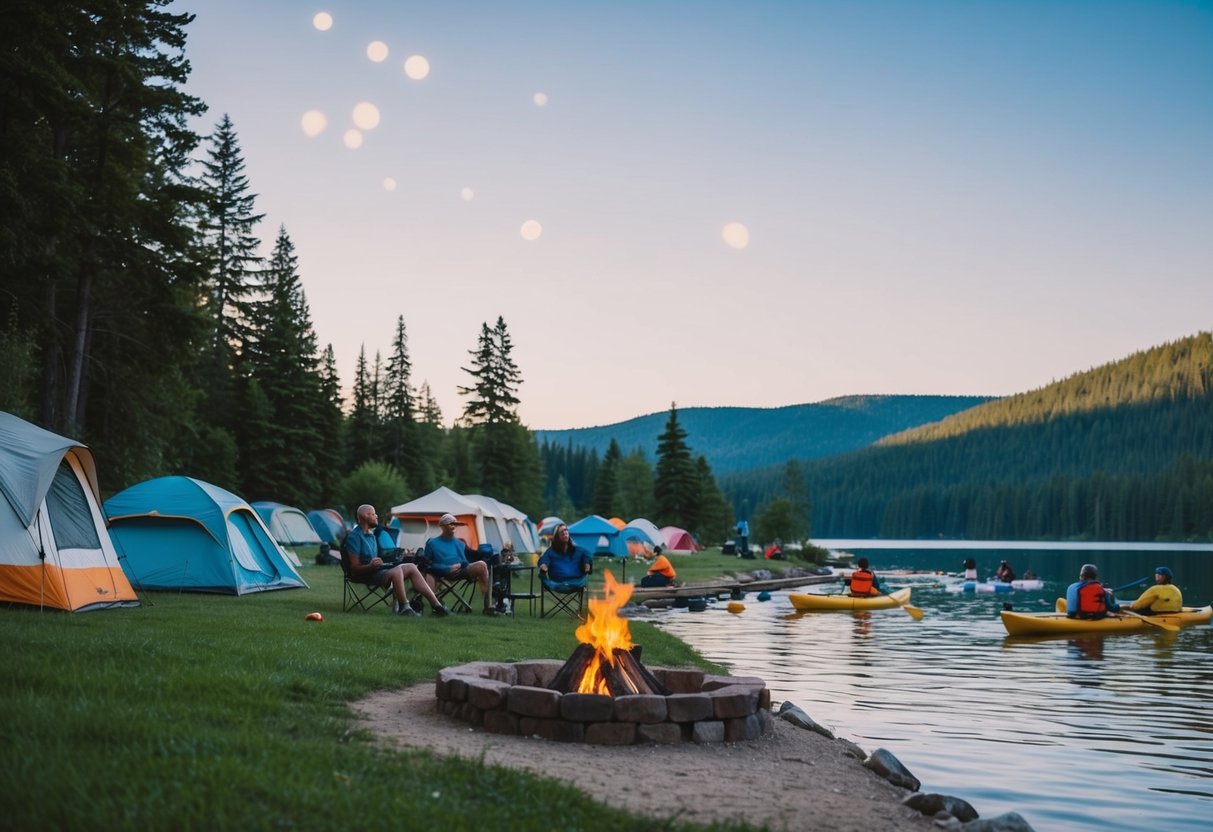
column 606, row 662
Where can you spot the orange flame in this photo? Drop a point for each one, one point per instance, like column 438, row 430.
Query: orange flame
column 606, row 631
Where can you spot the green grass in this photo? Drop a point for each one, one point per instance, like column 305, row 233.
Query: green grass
column 214, row 712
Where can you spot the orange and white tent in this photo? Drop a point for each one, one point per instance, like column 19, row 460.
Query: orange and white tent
column 55, row 550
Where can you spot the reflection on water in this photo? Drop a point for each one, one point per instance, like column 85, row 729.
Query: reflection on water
column 1049, row 727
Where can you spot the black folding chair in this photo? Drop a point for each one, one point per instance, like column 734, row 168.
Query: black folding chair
column 457, row 593
column 570, row 601
column 360, row 596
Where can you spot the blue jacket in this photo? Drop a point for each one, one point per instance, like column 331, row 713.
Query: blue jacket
column 567, row 566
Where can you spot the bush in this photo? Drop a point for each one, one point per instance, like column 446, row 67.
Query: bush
column 377, row 483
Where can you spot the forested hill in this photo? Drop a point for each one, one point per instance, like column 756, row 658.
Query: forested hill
column 1121, row 452
column 740, row 438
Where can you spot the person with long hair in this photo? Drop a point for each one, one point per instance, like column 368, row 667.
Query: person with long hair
column 564, row 565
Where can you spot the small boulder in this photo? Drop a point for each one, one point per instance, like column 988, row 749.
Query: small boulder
column 1006, row 822
column 800, row 719
column 930, row 803
column 890, row 768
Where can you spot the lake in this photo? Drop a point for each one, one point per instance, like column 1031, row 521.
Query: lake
column 1110, row 732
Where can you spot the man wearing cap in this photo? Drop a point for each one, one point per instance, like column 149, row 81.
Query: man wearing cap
column 364, row 548
column 1161, row 598
column 447, row 558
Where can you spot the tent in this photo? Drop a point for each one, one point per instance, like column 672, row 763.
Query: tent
column 418, row 519
column 54, row 549
column 505, row 523
column 678, row 540
column 642, row 537
column 291, row 528
column 182, row 533
column 329, row 525
column 599, row 536
column 617, row 522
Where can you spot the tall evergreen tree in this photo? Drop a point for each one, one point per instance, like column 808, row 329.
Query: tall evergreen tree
column 715, row 514
column 279, row 460
column 676, row 490
column 797, row 495
column 363, row 435
column 399, row 410
column 94, row 143
column 636, row 486
column 330, row 452
column 606, row 485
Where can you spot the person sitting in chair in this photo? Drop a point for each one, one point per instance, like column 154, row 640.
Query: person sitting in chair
column 446, row 557
column 565, row 565
column 661, row 573
column 364, row 548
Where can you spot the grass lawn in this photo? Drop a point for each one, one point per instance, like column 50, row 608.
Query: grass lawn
column 212, row 712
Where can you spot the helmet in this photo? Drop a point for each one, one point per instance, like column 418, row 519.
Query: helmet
column 1164, row 570
column 1088, row 571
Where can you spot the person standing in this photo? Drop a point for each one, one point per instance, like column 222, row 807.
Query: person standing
column 365, row 547
column 743, row 539
column 1161, row 598
column 1087, row 598
column 446, row 557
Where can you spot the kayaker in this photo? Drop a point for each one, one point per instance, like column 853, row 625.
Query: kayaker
column 1005, row 573
column 864, row 581
column 1163, row 597
column 1087, row 598
column 970, row 565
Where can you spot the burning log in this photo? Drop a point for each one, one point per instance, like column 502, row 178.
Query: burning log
column 623, row 677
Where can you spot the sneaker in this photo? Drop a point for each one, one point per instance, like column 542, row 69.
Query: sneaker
column 491, row 612
column 440, row 610
column 418, row 604
column 407, row 611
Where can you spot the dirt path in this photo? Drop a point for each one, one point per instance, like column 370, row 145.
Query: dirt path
column 793, row 780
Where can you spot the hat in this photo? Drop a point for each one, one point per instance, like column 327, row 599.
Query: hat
column 448, row 518
column 1164, row 570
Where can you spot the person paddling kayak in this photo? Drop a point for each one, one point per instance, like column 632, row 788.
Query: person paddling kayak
column 1087, row 598
column 1163, row 597
column 864, row 581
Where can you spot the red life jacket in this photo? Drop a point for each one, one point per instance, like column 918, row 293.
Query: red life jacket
column 1092, row 599
column 862, row 581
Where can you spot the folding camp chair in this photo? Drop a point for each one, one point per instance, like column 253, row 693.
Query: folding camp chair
column 360, row 596
column 456, row 593
column 570, row 601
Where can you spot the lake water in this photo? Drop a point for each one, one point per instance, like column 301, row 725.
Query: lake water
column 1081, row 732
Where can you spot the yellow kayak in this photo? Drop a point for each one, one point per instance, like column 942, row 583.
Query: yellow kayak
column 1056, row 623
column 803, row 601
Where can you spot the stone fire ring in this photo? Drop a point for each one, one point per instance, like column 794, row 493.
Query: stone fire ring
column 512, row 698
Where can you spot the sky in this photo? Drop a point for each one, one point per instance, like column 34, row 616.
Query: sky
column 729, row 204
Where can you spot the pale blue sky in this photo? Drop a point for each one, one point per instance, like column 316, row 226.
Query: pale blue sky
column 942, row 197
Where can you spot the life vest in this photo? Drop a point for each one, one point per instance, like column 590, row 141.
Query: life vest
column 1092, row 600
column 862, row 581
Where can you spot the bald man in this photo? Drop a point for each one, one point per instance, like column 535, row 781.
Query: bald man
column 365, row 546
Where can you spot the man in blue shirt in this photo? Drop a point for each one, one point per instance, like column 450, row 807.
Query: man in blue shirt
column 446, row 556
column 364, row 547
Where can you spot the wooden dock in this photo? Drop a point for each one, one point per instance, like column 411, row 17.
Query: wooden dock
column 725, row 587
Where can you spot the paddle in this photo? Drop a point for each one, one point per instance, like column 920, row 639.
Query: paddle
column 1170, row 628
column 1132, row 584
column 914, row 611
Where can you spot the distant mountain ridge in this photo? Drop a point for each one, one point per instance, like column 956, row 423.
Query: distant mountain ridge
column 743, row 438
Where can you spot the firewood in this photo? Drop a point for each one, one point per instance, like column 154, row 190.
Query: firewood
column 569, row 676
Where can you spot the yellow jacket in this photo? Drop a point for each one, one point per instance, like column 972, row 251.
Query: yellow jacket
column 1160, row 598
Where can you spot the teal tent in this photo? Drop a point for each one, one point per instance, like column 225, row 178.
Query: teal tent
column 182, row 533
column 599, row 536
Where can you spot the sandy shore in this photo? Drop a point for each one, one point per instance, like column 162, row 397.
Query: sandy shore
column 792, row 780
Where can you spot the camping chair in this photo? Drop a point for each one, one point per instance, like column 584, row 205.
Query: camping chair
column 360, row 596
column 570, row 601
column 456, row 593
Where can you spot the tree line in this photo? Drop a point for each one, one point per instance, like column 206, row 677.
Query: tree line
column 139, row 315
column 1121, row 452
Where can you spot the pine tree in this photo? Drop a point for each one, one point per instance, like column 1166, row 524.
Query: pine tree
column 636, row 486
column 715, row 514
column 363, row 437
column 399, row 410
column 279, row 460
column 676, row 490
column 227, row 226
column 606, row 484
column 330, row 452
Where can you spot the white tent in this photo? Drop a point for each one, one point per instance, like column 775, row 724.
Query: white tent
column 418, row 519
column 649, row 531
column 505, row 524
column 55, row 550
